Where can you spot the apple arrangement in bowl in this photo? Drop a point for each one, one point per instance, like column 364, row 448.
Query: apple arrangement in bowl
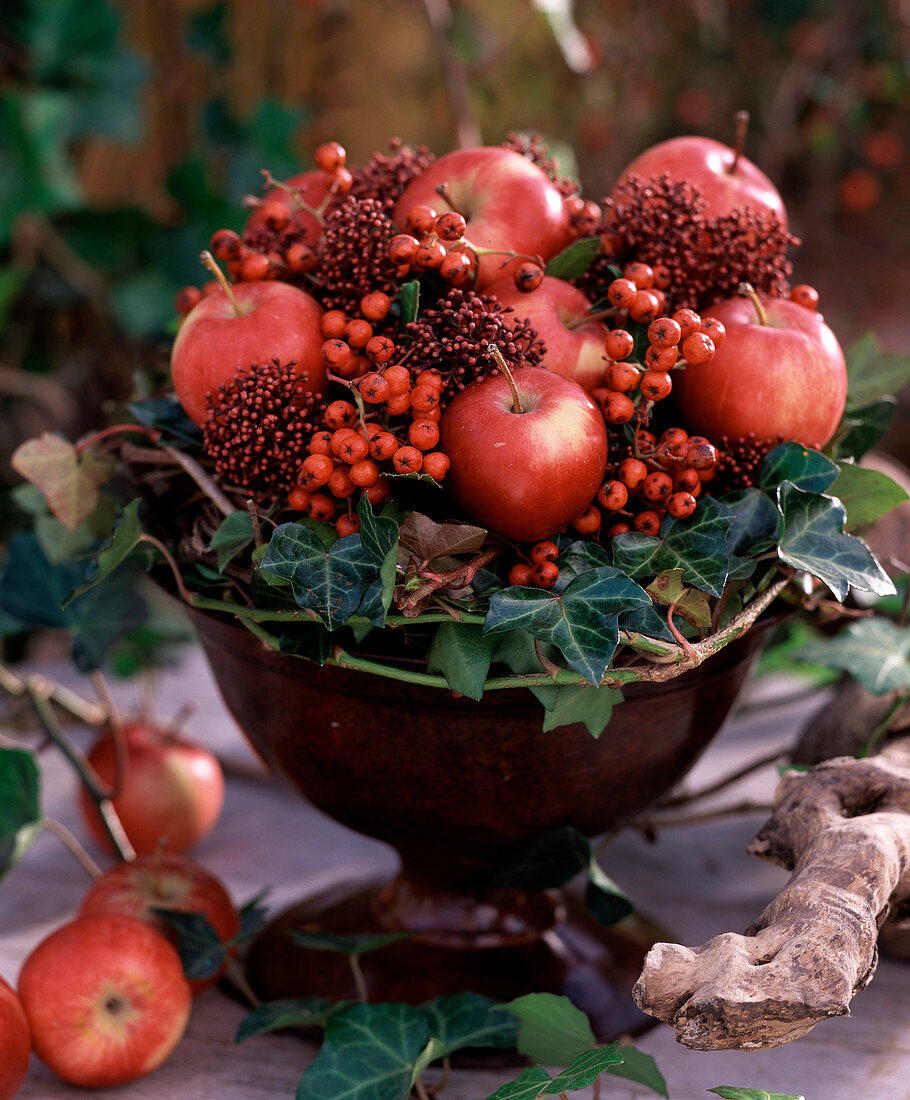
column 481, row 495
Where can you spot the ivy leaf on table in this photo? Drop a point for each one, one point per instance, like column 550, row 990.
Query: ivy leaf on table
column 370, row 1053
column 126, row 538
column 20, row 805
column 812, row 539
column 536, row 1082
column 641, row 1068
column 517, row 651
column 201, row 951
column 302, row 1012
column 461, row 1020
column 426, row 540
column 696, row 546
column 582, row 621
column 550, row 1028
column 736, row 1092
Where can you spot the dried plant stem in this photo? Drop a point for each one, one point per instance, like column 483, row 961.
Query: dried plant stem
column 684, row 799
column 20, row 687
column 73, row 846
column 115, row 722
column 202, row 479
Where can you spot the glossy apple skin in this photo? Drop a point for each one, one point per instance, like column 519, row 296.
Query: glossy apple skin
column 705, row 163
column 173, row 790
column 785, row 378
column 312, row 187
column 15, row 1042
column 508, row 202
column 106, row 1000
column 278, row 322
column 524, row 476
column 556, row 309
column 162, row 881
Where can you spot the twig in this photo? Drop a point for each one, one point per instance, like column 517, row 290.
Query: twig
column 421, row 1090
column 684, row 799
column 20, row 687
column 236, row 975
column 359, row 980
column 185, row 594
column 463, row 573
column 648, row 824
column 254, row 520
column 72, row 845
column 467, row 131
column 115, row 722
column 202, row 479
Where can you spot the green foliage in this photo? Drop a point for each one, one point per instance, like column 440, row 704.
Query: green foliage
column 462, row 653
column 20, row 812
column 875, row 651
column 550, row 1028
column 302, row 1012
column 574, row 260
column 865, row 494
column 735, row 1092
column 872, row 372
column 234, row 534
column 201, row 952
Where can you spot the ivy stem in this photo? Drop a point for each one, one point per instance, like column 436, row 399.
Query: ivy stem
column 684, row 644
column 73, row 846
column 184, row 592
column 116, row 429
column 499, row 359
column 741, row 122
column 209, row 261
column 236, row 975
column 748, row 291
column 421, row 1090
column 359, row 980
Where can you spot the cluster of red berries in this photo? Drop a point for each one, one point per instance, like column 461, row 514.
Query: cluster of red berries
column 632, row 388
column 540, row 570
column 390, row 425
column 660, row 476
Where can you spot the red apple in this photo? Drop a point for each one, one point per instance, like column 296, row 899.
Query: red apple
column 726, row 182
column 525, row 474
column 15, row 1042
column 310, row 188
column 276, row 321
column 172, row 791
column 509, row 203
column 782, row 376
column 138, row 888
column 559, row 312
column 106, row 1000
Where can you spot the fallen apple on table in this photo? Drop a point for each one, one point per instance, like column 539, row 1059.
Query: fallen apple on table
column 106, row 1000
column 15, row 1042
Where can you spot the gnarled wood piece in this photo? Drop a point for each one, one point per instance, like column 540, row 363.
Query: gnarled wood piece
column 843, row 828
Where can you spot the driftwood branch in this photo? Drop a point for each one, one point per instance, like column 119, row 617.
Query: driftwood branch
column 843, row 829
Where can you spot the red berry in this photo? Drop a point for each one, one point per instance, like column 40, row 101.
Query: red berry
column 330, row 156
column 520, row 574
column 333, row 323
column 379, row 349
column 657, row 487
column 805, row 295
column 436, row 464
column 698, row 348
column 321, row 507
column 347, row 524
column 456, row 268
column 315, row 471
column 640, row 274
column 421, row 220
column 335, row 353
column 423, row 434
column 340, row 484
column 298, row 499
column 340, row 414
column 588, row 523
column 613, row 496
column 399, row 380
column 364, row 473
column 226, row 244
column 618, row 409
column 688, row 321
column 528, row 277
column 546, row 550
column 648, row 523
column 450, row 226
column 656, row 385
column 681, row 505
column 619, row 344
column 358, row 333
column 632, row 473
column 701, row 455
column 186, row 298
column 375, row 305
column 407, row 460
column 403, row 248
column 275, row 215
column 621, row 293
column 545, row 574
column 715, row 329
column 623, row 377
column 342, row 181
column 644, row 307
column 664, row 332
column 374, row 389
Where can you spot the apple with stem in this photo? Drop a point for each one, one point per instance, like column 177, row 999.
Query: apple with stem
column 106, row 1000
column 725, row 178
column 139, row 887
column 15, row 1042
column 562, row 316
column 172, row 792
column 779, row 372
column 237, row 326
column 513, row 211
column 527, row 451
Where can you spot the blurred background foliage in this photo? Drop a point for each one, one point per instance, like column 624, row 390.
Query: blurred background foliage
column 131, row 129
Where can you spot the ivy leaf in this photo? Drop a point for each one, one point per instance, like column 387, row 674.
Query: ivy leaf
column 862, row 428
column 102, row 617
column 581, row 621
column 801, row 466
column 516, row 650
column 432, row 1052
column 369, row 1053
column 865, row 494
column 551, row 1029
column 426, row 540
column 379, row 534
column 526, row 1086
column 20, row 805
column 696, row 546
column 308, row 640
column 667, row 588
column 409, row 296
column 592, row 706
column 574, row 260
column 872, row 372
column 350, row 944
column 812, row 539
column 278, row 1015
column 201, row 951
column 875, row 651
column 461, row 1020
column 580, row 557
column 330, row 582
column 127, row 536
column 755, row 528
column 735, row 1092
column 554, row 858
column 641, row 1068
column 167, row 415
column 234, row 534
column 647, row 622
column 69, row 481
column 462, row 653
column 584, row 1070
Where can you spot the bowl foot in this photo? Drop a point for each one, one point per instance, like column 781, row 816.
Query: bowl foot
column 594, row 966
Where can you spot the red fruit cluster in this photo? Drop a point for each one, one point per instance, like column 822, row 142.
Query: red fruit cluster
column 541, row 569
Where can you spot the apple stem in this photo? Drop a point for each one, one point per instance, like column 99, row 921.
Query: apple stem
column 741, row 121
column 445, row 193
column 209, row 260
column 747, row 290
column 499, row 359
column 73, row 846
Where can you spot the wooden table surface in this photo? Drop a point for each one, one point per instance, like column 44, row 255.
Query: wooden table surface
column 697, row 879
